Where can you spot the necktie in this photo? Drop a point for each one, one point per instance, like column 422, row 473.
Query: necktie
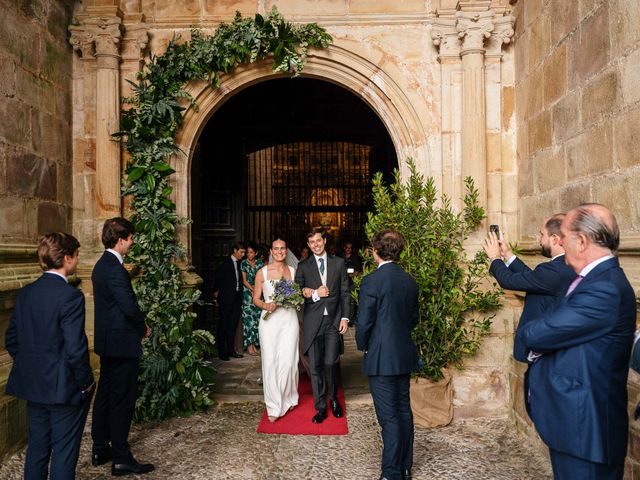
column 321, row 268
column 574, row 284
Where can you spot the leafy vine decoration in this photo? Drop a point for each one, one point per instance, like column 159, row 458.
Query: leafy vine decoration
column 176, row 378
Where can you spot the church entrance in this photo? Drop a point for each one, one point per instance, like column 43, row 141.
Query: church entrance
column 279, row 158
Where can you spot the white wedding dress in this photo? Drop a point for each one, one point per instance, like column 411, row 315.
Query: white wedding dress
column 279, row 350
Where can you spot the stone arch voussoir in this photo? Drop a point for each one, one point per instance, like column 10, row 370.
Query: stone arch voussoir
column 336, row 65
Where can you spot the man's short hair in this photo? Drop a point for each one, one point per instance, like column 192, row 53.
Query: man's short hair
column 316, row 231
column 388, row 244
column 601, row 231
column 238, row 246
column 53, row 247
column 553, row 224
column 114, row 229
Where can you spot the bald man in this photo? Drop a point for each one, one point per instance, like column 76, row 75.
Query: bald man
column 578, row 386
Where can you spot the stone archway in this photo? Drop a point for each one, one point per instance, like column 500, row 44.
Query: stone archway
column 336, row 65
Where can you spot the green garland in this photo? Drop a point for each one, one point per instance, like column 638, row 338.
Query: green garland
column 176, row 377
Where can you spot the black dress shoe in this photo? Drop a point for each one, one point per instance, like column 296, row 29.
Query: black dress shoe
column 132, row 467
column 237, row 355
column 224, row 358
column 100, row 458
column 319, row 417
column 406, row 475
column 336, row 409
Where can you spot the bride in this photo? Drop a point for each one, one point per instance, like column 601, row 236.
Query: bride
column 278, row 336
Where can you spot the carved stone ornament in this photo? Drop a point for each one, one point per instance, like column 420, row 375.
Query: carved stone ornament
column 473, row 28
column 82, row 41
column 445, row 36
column 502, row 34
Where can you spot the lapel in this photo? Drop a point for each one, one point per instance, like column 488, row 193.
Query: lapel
column 603, row 267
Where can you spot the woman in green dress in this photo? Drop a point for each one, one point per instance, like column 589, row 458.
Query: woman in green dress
column 250, row 313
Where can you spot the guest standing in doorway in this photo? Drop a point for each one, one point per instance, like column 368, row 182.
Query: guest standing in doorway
column 250, row 313
column 228, row 293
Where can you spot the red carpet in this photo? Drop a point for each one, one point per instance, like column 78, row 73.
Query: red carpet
column 298, row 420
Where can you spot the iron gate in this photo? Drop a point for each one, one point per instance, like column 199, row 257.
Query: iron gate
column 294, row 187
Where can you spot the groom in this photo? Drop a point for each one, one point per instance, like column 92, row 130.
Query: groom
column 325, row 286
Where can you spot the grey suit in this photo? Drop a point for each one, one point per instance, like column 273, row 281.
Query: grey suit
column 320, row 331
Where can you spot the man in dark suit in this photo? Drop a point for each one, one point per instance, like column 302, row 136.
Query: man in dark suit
column 119, row 329
column 544, row 285
column 228, row 294
column 387, row 313
column 578, row 386
column 51, row 369
column 324, row 283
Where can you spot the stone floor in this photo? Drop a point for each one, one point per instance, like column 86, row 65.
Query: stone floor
column 222, row 443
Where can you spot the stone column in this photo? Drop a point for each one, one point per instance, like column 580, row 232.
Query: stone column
column 445, row 36
column 106, row 31
column 502, row 183
column 474, row 25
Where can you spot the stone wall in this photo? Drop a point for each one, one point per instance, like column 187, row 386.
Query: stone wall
column 35, row 158
column 577, row 115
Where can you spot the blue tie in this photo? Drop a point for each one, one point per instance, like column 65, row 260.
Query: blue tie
column 321, row 260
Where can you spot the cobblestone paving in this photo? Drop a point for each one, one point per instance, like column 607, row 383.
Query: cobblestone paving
column 222, row 442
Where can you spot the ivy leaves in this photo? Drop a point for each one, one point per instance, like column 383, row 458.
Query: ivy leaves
column 176, row 377
column 455, row 304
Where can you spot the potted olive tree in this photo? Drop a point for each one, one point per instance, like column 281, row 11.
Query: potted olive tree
column 456, row 303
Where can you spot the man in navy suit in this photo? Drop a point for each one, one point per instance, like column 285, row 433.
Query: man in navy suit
column 578, row 386
column 387, row 313
column 544, row 285
column 228, row 294
column 119, row 329
column 325, row 287
column 51, row 369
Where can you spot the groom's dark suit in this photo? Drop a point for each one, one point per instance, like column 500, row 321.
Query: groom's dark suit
column 318, row 327
column 119, row 329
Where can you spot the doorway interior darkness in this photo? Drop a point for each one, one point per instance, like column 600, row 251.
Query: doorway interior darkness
column 279, row 158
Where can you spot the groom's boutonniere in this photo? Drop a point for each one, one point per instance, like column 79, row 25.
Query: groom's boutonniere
column 286, row 294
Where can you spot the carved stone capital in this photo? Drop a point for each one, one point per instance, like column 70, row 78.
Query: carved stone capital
column 135, row 41
column 107, row 32
column 502, row 34
column 474, row 28
column 445, row 36
column 82, row 41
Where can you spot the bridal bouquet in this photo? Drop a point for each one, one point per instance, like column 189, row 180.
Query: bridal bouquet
column 287, row 294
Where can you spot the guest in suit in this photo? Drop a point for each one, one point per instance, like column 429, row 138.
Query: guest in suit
column 544, row 285
column 387, row 313
column 51, row 369
column 578, row 386
column 119, row 329
column 228, row 294
column 324, row 283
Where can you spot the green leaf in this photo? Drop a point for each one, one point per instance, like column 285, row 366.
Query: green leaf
column 134, row 174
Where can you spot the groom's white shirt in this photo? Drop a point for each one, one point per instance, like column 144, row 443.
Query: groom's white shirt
column 315, row 297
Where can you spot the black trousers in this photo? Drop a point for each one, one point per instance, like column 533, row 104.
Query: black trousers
column 391, row 400
column 55, row 433
column 114, row 406
column 228, row 318
column 323, row 357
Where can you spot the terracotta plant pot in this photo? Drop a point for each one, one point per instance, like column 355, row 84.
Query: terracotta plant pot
column 432, row 402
